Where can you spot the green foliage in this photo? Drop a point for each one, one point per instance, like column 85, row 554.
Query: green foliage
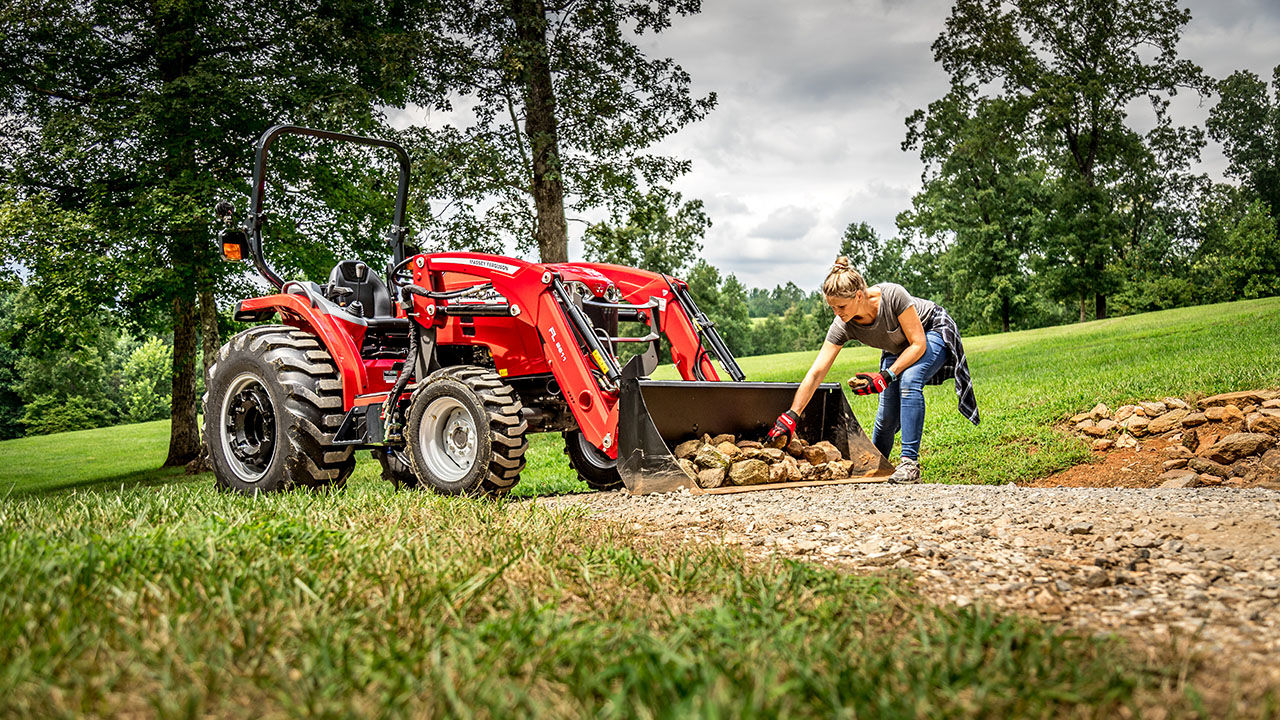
column 1246, row 121
column 763, row 303
column 76, row 383
column 68, row 264
column 886, row 259
column 1070, row 73
column 11, row 349
column 984, row 190
column 135, row 118
column 1239, row 256
column 657, row 233
column 148, row 382
column 52, row 413
column 607, row 103
column 724, row 300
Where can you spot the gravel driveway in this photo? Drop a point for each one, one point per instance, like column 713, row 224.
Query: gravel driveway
column 1198, row 566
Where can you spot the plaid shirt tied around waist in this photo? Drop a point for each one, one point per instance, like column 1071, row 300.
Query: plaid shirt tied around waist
column 954, row 366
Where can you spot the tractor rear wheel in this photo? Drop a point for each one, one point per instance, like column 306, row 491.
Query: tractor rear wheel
column 272, row 405
column 465, row 435
column 597, row 470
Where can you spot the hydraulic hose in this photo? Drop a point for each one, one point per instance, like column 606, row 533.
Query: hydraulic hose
column 391, row 428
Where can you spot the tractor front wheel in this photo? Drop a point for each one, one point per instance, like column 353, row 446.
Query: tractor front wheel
column 273, row 402
column 597, row 470
column 465, row 435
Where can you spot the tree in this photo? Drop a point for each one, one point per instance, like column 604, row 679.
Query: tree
column 983, row 190
column 1246, row 121
column 724, row 300
column 657, row 233
column 877, row 259
column 11, row 351
column 141, row 113
column 1239, row 253
column 861, row 244
column 564, row 105
column 1075, row 68
column 147, row 382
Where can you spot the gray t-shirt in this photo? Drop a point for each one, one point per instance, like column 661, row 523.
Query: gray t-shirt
column 884, row 333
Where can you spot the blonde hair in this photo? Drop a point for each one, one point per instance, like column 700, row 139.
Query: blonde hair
column 843, row 281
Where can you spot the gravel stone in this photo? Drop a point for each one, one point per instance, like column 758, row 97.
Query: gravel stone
column 1198, row 563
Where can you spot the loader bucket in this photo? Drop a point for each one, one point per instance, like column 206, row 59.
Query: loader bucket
column 657, row 415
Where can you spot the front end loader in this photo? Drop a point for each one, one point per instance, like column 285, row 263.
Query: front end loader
column 443, row 366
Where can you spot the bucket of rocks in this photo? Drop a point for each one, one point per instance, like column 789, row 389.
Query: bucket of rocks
column 712, row 437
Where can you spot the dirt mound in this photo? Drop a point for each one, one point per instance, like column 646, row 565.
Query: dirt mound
column 1230, row 440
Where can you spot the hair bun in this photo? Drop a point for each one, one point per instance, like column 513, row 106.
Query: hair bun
column 841, row 263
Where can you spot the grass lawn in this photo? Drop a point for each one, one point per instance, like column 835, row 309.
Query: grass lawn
column 177, row 600
column 127, row 590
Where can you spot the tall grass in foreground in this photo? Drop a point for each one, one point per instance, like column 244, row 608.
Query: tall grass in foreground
column 179, row 601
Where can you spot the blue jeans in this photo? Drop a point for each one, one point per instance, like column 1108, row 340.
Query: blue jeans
column 902, row 403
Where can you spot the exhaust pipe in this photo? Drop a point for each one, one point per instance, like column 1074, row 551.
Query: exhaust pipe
column 656, row 415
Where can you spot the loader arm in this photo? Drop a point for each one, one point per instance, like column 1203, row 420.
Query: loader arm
column 695, row 342
column 532, row 296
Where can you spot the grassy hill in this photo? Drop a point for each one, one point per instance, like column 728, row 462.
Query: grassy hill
column 125, row 590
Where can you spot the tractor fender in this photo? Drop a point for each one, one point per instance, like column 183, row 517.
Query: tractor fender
column 300, row 312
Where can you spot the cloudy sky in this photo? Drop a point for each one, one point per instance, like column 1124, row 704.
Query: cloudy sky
column 813, row 96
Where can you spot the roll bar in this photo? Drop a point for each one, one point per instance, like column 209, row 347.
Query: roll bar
column 253, row 223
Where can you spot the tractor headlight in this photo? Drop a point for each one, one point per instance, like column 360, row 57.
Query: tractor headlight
column 613, row 294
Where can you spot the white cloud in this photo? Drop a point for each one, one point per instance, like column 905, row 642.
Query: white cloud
column 786, row 223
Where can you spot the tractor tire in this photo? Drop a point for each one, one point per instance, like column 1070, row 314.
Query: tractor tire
column 396, row 466
column 597, row 470
column 272, row 405
column 465, row 435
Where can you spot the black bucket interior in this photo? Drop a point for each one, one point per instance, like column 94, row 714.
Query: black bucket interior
column 657, row 415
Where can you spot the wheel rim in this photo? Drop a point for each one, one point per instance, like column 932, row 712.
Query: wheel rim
column 448, row 439
column 248, row 428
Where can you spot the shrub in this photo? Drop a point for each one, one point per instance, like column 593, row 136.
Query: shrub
column 48, row 414
column 148, row 382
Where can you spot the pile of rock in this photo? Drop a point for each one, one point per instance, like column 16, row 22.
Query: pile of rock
column 1228, row 439
column 721, row 460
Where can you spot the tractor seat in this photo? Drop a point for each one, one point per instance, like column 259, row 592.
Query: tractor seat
column 366, row 288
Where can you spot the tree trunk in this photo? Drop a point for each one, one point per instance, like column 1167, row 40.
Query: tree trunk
column 175, row 41
column 1084, row 307
column 210, row 342
column 1100, row 306
column 540, row 126
column 1005, row 312
column 184, row 432
column 209, row 345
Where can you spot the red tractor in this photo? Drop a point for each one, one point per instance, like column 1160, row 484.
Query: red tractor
column 445, row 366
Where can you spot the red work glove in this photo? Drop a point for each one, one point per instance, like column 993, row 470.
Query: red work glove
column 785, row 425
column 871, row 383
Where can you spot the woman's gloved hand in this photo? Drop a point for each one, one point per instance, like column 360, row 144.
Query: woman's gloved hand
column 785, row 426
column 871, row 383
